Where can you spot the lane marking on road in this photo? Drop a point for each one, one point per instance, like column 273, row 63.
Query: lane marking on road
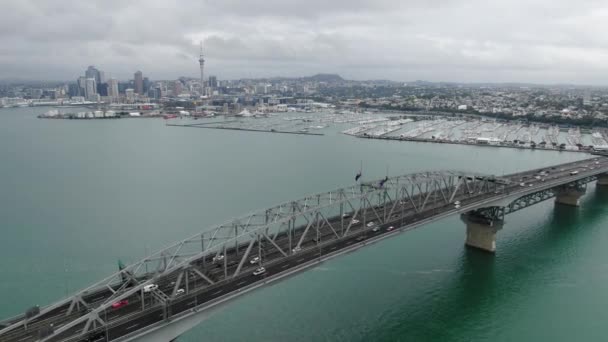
column 192, row 303
column 25, row 338
column 285, row 266
column 217, row 292
column 132, row 326
column 302, row 259
column 334, row 247
column 349, row 242
column 241, row 283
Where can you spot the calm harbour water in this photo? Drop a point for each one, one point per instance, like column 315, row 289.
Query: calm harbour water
column 76, row 196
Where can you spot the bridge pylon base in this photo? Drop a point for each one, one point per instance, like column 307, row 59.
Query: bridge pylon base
column 602, row 180
column 481, row 234
column 570, row 196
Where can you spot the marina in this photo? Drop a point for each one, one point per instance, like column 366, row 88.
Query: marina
column 405, row 127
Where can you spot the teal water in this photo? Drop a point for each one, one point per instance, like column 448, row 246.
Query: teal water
column 76, row 196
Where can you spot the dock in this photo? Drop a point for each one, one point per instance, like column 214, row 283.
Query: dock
column 272, row 130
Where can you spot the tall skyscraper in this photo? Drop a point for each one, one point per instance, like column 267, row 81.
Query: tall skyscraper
column 139, row 83
column 91, row 89
column 82, row 86
column 102, row 77
column 113, row 88
column 146, row 84
column 92, row 72
column 201, row 62
column 212, row 81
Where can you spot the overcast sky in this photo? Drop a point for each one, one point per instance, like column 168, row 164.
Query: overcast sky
column 540, row 41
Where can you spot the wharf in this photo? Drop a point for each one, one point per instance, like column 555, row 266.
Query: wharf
column 272, row 130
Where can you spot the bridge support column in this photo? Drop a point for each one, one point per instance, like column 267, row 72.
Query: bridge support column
column 602, row 180
column 570, row 195
column 481, row 233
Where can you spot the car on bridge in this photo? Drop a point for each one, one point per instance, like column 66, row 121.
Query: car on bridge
column 120, row 304
column 218, row 257
column 296, row 250
column 259, row 270
column 254, row 260
column 150, row 287
column 390, row 228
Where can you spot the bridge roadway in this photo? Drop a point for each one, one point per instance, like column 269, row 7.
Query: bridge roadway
column 131, row 318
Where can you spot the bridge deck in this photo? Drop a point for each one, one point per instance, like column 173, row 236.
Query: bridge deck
column 206, row 281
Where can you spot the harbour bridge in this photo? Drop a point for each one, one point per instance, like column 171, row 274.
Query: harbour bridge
column 169, row 292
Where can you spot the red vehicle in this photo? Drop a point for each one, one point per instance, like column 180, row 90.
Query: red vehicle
column 120, row 304
column 390, row 228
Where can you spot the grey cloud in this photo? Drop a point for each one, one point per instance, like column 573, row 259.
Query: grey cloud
column 452, row 40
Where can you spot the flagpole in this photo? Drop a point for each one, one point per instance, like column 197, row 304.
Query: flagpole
column 361, row 168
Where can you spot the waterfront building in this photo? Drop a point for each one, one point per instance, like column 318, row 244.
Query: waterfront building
column 82, row 85
column 90, row 89
column 139, row 82
column 113, row 88
column 130, row 95
column 74, row 89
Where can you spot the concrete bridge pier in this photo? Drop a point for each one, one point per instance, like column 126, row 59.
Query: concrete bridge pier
column 602, row 180
column 570, row 195
column 481, row 232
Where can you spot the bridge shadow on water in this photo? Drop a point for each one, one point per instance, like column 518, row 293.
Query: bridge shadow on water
column 470, row 305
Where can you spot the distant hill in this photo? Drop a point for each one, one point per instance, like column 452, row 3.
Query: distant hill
column 325, row 78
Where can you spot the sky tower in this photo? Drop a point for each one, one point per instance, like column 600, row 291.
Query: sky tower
column 201, row 62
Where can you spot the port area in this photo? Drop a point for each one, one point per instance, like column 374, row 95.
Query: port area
column 220, row 125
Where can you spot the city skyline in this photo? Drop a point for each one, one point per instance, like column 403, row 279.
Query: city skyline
column 545, row 42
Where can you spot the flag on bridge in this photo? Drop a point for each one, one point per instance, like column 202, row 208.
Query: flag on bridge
column 381, row 184
column 358, row 176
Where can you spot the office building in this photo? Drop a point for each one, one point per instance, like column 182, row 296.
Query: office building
column 139, row 83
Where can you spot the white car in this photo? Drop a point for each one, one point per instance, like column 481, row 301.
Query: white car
column 150, row 288
column 218, row 257
column 345, row 215
column 371, row 224
column 376, row 228
column 457, row 203
column 259, row 270
column 522, row 184
column 296, row 250
column 179, row 292
column 254, row 260
column 355, row 221
column 457, row 206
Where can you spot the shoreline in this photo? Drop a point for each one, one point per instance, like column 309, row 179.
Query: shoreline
column 452, row 142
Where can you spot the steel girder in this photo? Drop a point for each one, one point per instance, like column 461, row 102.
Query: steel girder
column 293, row 221
column 496, row 213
